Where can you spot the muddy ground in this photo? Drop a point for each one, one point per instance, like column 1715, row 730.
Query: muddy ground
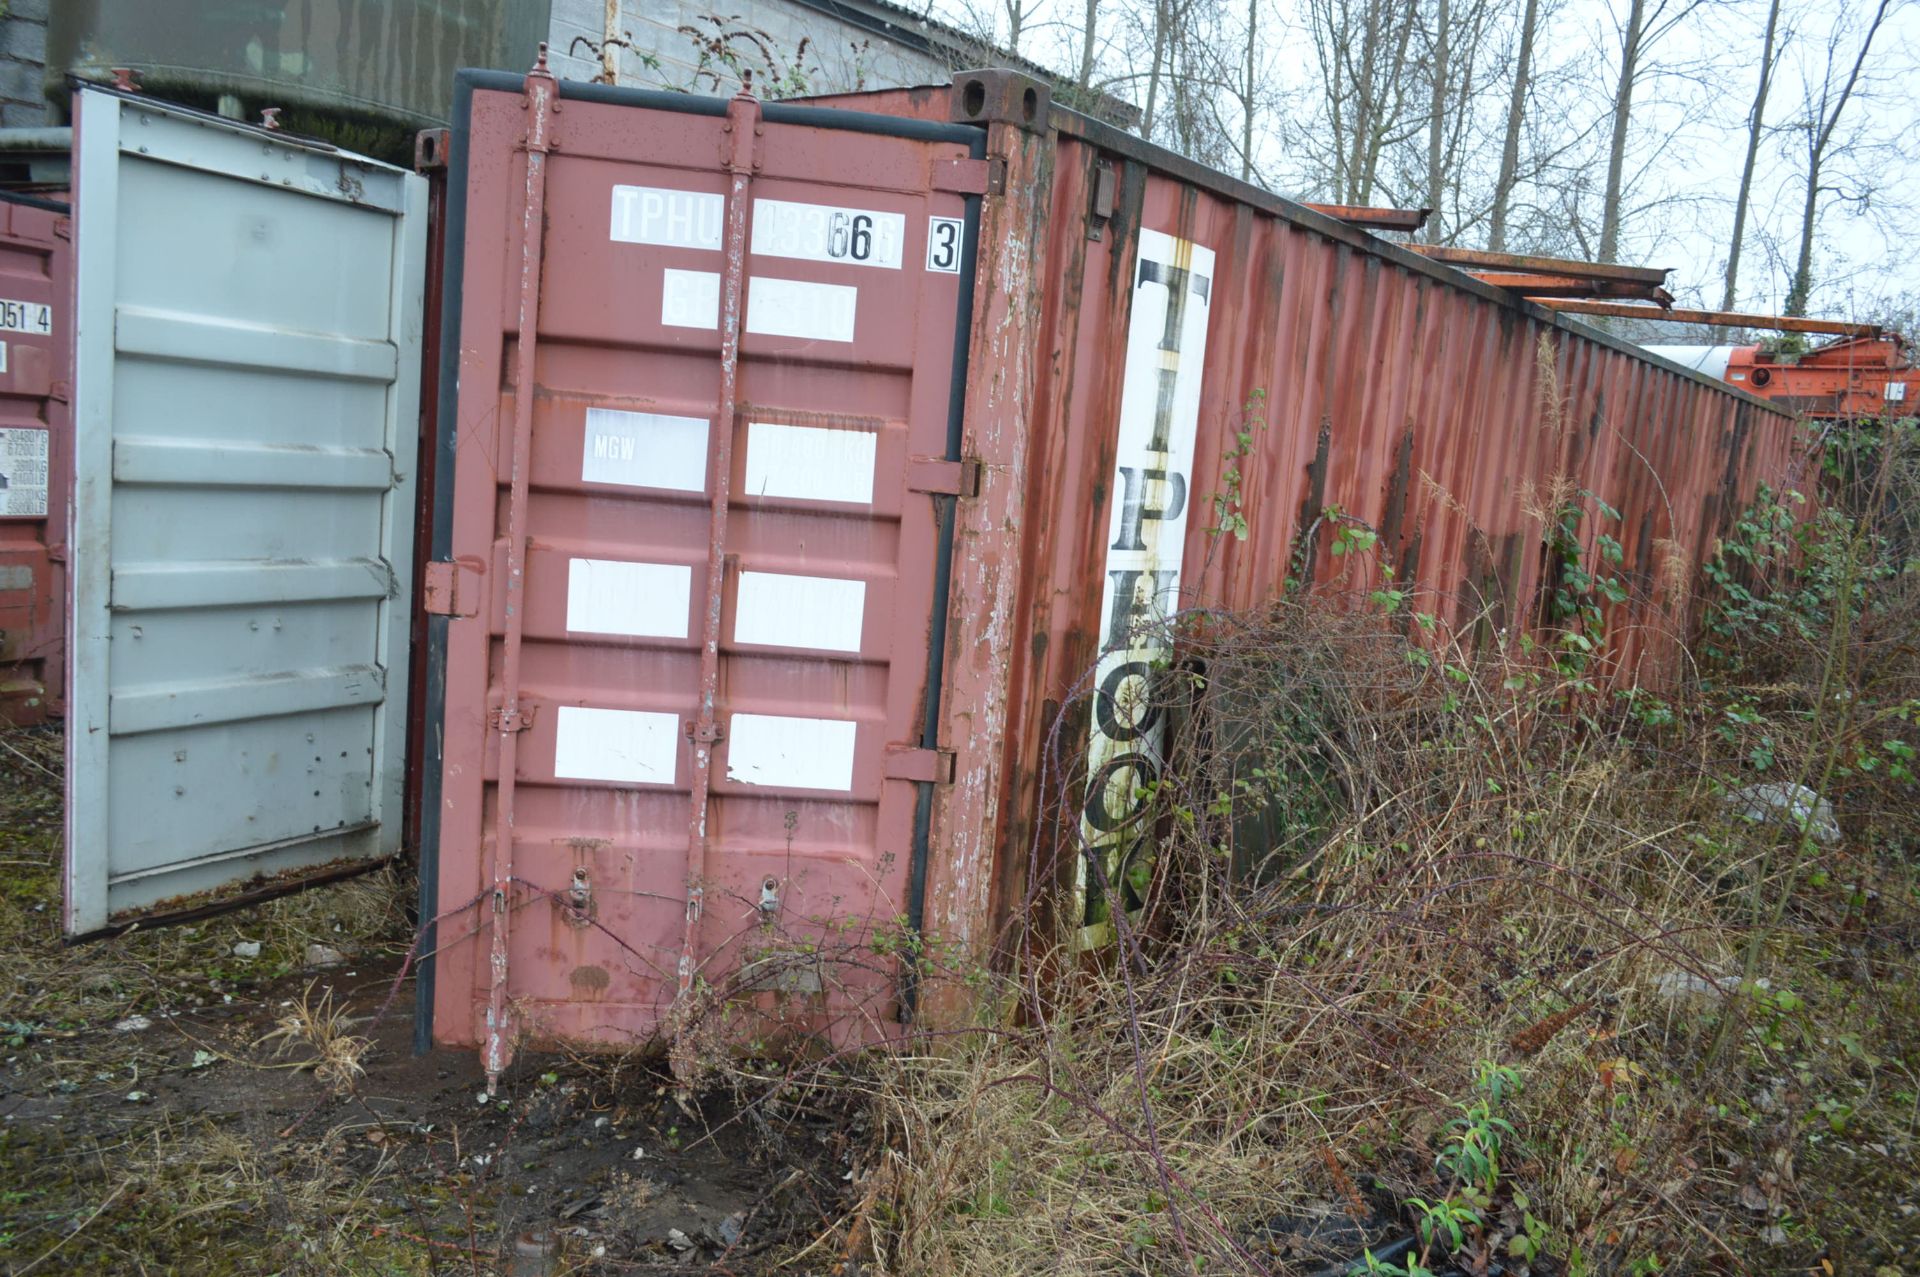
column 241, row 1096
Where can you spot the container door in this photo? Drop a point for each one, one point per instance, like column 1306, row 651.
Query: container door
column 707, row 430
column 246, row 397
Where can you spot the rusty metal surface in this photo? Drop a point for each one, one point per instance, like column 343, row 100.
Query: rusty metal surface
column 36, row 268
column 1716, row 318
column 1395, row 388
column 1522, row 263
column 1380, row 219
column 705, row 524
column 430, row 162
column 1572, row 286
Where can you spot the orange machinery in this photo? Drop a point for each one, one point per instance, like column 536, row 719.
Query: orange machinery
column 1851, row 377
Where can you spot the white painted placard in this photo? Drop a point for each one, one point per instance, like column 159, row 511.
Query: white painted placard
column 3, row 356
column 690, row 299
column 800, row 308
column 811, row 463
column 821, row 612
column 775, row 307
column 667, row 217
column 644, row 450
column 824, row 233
column 23, row 472
column 613, row 596
column 792, row 753
column 615, row 744
column 1172, row 287
column 26, row 317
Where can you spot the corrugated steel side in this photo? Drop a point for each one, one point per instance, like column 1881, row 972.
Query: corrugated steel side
column 1399, row 392
column 36, row 270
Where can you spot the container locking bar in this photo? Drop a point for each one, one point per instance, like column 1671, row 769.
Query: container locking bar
column 970, row 177
column 912, row 762
column 451, row 589
column 943, row 478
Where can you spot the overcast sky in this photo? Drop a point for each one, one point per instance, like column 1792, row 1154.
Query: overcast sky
column 1688, row 138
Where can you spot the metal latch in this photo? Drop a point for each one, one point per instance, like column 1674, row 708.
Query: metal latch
column 970, row 177
column 519, row 721
column 911, row 762
column 942, row 477
column 451, row 589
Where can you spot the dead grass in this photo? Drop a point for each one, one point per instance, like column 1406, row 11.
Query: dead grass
column 323, row 1032
column 1383, row 869
column 191, row 1196
column 55, row 988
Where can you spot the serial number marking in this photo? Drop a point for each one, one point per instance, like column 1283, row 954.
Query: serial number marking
column 822, row 233
column 26, row 317
column 943, row 244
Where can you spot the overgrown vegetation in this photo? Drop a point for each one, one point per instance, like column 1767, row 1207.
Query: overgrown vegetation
column 1461, row 956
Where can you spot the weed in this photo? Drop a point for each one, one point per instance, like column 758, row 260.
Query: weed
column 322, row 1029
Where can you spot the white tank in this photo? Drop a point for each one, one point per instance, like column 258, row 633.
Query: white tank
column 1711, row 360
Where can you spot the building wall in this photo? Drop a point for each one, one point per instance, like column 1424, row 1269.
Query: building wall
column 838, row 57
column 23, row 60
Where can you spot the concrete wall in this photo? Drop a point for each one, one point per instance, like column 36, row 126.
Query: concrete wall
column 23, row 60
column 838, row 56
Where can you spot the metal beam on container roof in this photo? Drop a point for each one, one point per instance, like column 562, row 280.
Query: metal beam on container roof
column 1375, row 219
column 1521, row 263
column 1713, row 318
column 1574, row 286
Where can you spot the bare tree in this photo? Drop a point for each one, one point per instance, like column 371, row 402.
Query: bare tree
column 1249, row 89
column 1164, row 14
column 1437, row 122
column 1826, row 101
column 1516, row 116
column 1459, row 133
column 1361, row 49
column 1756, row 128
column 1016, row 11
column 1088, row 31
column 1648, row 22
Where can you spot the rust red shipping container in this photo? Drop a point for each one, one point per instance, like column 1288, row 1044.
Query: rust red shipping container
column 781, row 526
column 36, row 280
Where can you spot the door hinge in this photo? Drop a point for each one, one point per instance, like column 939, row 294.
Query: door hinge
column 970, row 177
column 451, row 589
column 942, row 477
column 912, row 762
column 63, row 228
column 519, row 721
